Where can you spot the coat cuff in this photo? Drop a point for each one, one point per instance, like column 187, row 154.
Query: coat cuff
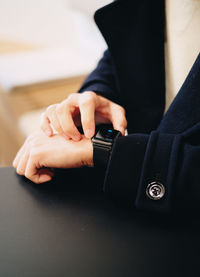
column 138, row 160
column 124, row 168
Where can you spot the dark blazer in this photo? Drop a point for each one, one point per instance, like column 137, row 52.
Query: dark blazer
column 165, row 149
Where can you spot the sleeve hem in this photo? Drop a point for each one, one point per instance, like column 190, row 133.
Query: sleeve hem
column 123, row 174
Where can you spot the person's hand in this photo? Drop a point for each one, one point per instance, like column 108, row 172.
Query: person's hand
column 40, row 153
column 84, row 109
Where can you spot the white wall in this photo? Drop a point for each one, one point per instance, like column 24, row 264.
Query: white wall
column 88, row 6
column 69, row 42
column 46, row 22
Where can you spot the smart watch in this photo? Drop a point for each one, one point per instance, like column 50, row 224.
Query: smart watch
column 103, row 141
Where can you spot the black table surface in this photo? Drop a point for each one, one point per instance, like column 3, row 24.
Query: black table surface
column 67, row 228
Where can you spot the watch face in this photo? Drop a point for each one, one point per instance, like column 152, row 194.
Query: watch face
column 107, row 134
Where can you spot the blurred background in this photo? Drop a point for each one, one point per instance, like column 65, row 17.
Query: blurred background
column 47, row 48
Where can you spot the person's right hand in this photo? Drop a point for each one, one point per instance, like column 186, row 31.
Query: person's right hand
column 84, row 109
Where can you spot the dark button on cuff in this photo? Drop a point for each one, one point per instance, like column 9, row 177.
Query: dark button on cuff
column 155, row 190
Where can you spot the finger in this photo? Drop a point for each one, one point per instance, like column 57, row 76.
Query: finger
column 22, row 163
column 31, row 171
column 16, row 159
column 64, row 113
column 43, row 178
column 45, row 175
column 45, row 125
column 46, row 170
column 34, row 172
column 69, row 127
column 87, row 105
column 19, row 154
column 118, row 118
column 52, row 116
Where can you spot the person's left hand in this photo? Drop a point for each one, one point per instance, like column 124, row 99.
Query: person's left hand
column 40, row 153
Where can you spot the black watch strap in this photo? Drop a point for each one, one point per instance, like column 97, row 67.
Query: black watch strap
column 101, row 155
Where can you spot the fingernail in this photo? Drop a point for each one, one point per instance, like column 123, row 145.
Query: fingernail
column 89, row 133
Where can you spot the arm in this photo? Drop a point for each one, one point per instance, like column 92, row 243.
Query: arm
column 136, row 161
column 96, row 103
column 169, row 155
column 103, row 79
column 173, row 160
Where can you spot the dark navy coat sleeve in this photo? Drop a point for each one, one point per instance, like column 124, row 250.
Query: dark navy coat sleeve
column 102, row 80
column 169, row 155
column 158, row 149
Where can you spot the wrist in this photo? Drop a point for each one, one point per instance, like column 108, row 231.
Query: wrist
column 87, row 155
